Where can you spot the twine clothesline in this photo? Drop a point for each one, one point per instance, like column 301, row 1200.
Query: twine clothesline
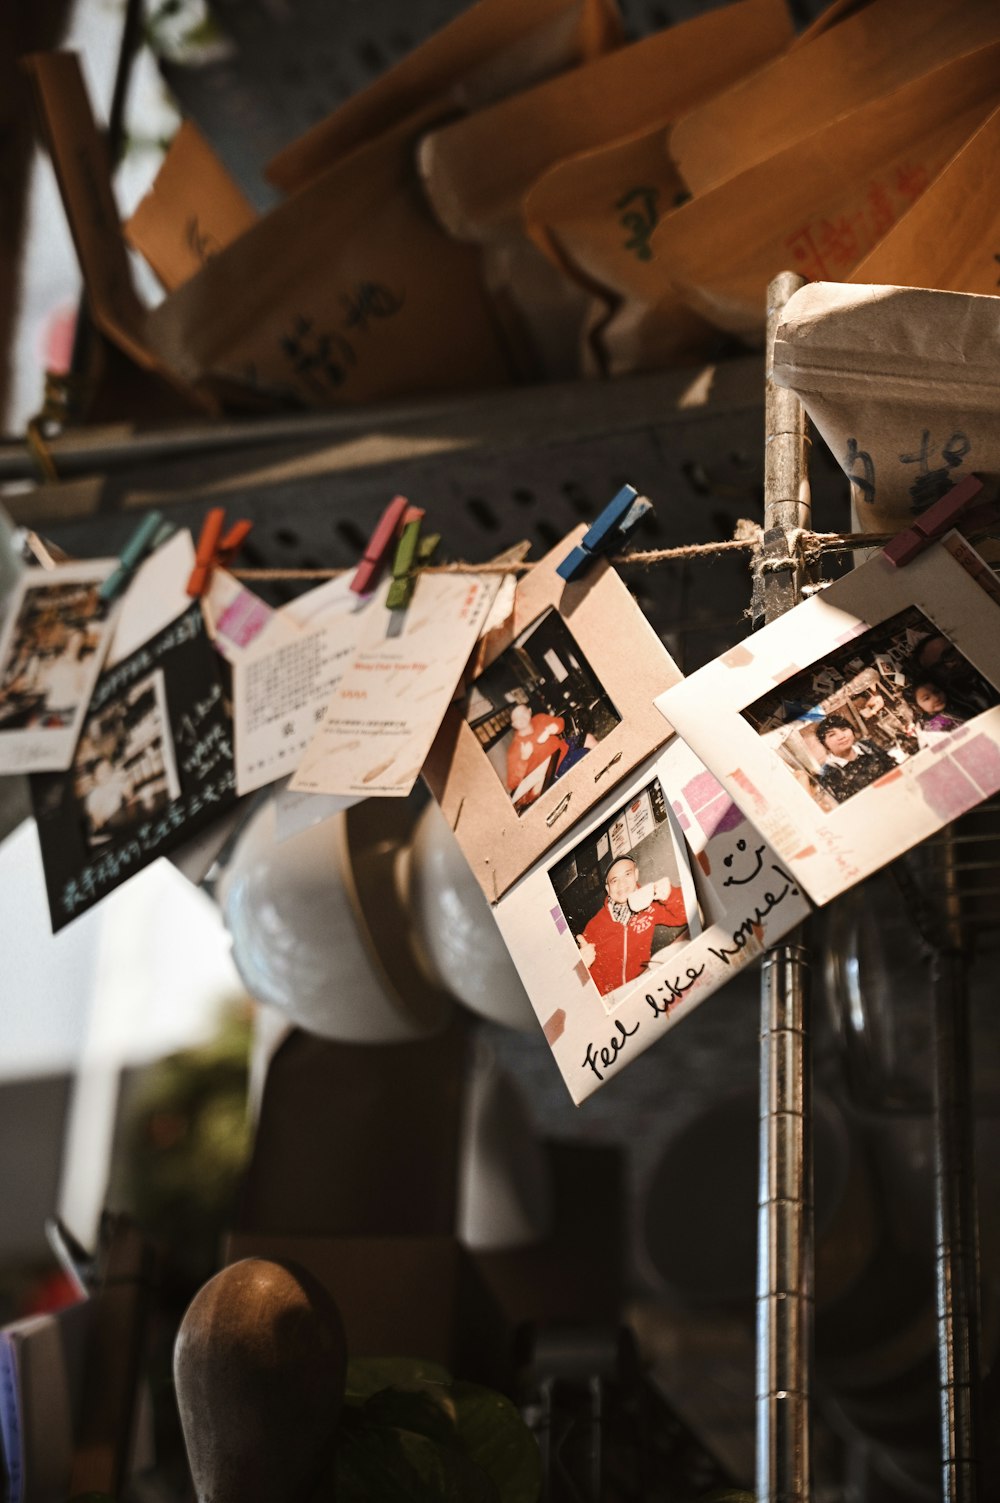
column 813, row 545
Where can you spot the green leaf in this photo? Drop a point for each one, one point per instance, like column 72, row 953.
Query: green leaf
column 369, row 1375
column 425, row 1411
column 397, row 1466
column 496, row 1438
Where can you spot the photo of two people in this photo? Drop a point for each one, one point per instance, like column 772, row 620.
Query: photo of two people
column 619, row 892
column 870, row 706
column 538, row 710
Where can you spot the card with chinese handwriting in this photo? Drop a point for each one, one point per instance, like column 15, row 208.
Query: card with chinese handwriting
column 281, row 690
column 54, row 641
column 388, row 707
column 560, row 711
column 153, row 765
column 643, row 910
column 859, row 723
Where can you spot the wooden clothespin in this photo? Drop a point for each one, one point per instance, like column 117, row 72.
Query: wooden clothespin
column 411, row 552
column 214, row 550
column 613, row 528
column 387, row 530
column 141, row 543
column 932, row 524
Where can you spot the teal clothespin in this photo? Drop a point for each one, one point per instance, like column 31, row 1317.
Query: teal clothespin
column 411, row 552
column 142, row 541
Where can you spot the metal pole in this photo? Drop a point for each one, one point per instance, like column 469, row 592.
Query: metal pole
column 955, row 1215
column 785, row 1209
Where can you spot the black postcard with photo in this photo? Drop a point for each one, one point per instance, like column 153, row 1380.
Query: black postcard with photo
column 153, row 765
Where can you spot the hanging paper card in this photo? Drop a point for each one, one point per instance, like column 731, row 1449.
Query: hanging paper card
column 154, row 764
column 860, row 722
column 53, row 643
column 388, row 706
column 618, row 939
column 281, row 690
column 561, row 711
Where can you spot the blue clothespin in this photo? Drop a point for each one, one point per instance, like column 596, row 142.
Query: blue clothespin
column 613, row 528
column 142, row 541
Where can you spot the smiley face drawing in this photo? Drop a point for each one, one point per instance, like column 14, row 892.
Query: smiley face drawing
column 734, row 881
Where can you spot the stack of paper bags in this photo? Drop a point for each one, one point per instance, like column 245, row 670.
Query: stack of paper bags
column 525, row 197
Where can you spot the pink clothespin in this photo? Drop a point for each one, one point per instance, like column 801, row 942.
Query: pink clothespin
column 932, row 524
column 376, row 552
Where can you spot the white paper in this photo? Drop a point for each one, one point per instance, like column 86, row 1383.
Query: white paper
column 156, row 595
column 52, row 649
column 281, row 692
column 747, row 897
column 910, row 659
column 295, row 812
column 389, row 705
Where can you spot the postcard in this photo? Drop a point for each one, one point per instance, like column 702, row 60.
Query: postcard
column 235, row 616
column 560, row 711
column 281, row 690
column 859, row 723
column 642, row 911
column 388, row 707
column 153, row 765
column 54, row 641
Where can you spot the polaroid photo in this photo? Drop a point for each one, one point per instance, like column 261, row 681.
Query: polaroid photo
column 54, row 642
column 859, row 723
column 643, row 910
column 560, row 712
column 153, row 766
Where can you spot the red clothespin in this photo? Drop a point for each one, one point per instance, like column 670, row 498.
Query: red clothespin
column 387, row 529
column 214, row 550
column 932, row 524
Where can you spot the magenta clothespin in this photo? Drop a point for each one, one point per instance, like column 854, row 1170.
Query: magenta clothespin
column 933, row 523
column 377, row 549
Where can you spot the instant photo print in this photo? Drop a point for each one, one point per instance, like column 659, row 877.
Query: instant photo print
column 859, row 723
column 560, row 712
column 153, row 766
column 54, row 641
column 641, row 912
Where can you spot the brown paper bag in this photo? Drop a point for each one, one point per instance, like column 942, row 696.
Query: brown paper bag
column 83, row 171
column 949, row 238
column 832, row 71
column 193, row 210
column 904, row 386
column 820, row 205
column 478, row 169
column 595, row 215
column 347, row 292
column 489, row 51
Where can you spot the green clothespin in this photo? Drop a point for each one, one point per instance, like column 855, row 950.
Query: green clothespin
column 411, row 551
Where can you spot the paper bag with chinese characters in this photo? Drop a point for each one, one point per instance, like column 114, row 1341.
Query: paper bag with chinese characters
column 347, row 292
column 904, row 386
column 950, row 237
column 478, row 170
column 830, row 72
column 489, row 51
column 821, row 204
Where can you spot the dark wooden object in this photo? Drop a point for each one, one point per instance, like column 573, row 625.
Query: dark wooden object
column 259, row 1367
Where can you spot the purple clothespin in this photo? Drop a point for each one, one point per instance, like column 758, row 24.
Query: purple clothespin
column 932, row 524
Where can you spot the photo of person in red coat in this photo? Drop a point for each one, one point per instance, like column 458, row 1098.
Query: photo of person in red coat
column 617, row 943
column 535, row 739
